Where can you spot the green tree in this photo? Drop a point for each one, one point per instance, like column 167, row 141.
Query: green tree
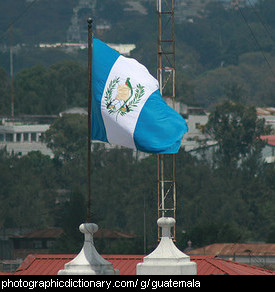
column 6, row 182
column 72, row 214
column 39, row 90
column 31, row 90
column 67, row 137
column 28, row 196
column 249, row 82
column 5, row 99
column 67, row 87
column 237, row 129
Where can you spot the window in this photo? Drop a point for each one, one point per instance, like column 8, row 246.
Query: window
column 37, row 244
column 50, row 243
column 197, row 125
column 26, row 137
column 33, row 137
column 9, row 137
column 18, row 137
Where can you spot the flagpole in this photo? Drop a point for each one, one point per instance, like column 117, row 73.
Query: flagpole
column 90, row 57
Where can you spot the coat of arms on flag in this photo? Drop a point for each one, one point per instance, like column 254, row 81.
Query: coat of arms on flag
column 121, row 98
column 127, row 107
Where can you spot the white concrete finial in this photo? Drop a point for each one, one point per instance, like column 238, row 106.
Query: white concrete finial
column 88, row 261
column 166, row 259
column 166, row 223
column 88, row 229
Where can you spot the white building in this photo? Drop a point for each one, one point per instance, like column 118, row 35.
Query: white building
column 123, row 49
column 267, row 113
column 196, row 118
column 22, row 137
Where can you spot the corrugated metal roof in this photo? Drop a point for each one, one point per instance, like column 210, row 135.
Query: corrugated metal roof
column 43, row 264
column 126, row 264
column 235, row 249
column 217, row 266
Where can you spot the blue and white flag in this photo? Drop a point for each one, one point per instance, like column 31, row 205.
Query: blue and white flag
column 127, row 107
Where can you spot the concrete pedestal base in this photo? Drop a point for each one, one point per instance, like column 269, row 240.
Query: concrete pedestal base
column 88, row 261
column 166, row 259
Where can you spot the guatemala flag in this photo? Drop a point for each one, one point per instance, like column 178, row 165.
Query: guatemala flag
column 127, row 107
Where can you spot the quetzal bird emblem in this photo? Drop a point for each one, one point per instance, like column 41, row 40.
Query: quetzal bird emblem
column 123, row 102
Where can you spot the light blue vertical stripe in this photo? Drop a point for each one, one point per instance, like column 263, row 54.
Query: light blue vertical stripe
column 104, row 58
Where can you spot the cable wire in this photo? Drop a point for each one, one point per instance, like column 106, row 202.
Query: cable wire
column 261, row 20
column 2, row 35
column 256, row 41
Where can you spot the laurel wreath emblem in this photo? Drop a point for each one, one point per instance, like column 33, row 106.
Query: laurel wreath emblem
column 108, row 95
column 128, row 106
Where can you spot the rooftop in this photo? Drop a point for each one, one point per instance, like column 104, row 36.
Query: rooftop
column 42, row 233
column 50, row 264
column 270, row 139
column 236, row 249
column 263, row 111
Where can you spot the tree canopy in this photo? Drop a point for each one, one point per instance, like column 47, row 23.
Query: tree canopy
column 237, row 129
column 218, row 48
column 229, row 200
column 48, row 91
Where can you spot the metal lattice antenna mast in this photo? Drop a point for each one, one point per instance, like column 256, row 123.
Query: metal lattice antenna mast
column 166, row 78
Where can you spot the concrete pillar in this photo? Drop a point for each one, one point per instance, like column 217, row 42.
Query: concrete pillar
column 166, row 259
column 88, row 261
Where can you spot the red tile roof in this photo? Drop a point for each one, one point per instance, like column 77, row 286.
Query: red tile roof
column 206, row 265
column 43, row 233
column 270, row 139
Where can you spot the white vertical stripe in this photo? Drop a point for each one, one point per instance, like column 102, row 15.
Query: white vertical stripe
column 120, row 128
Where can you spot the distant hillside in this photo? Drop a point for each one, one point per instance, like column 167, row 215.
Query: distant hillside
column 57, row 20
column 44, row 20
column 212, row 40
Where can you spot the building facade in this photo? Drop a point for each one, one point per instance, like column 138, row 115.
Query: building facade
column 21, row 137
